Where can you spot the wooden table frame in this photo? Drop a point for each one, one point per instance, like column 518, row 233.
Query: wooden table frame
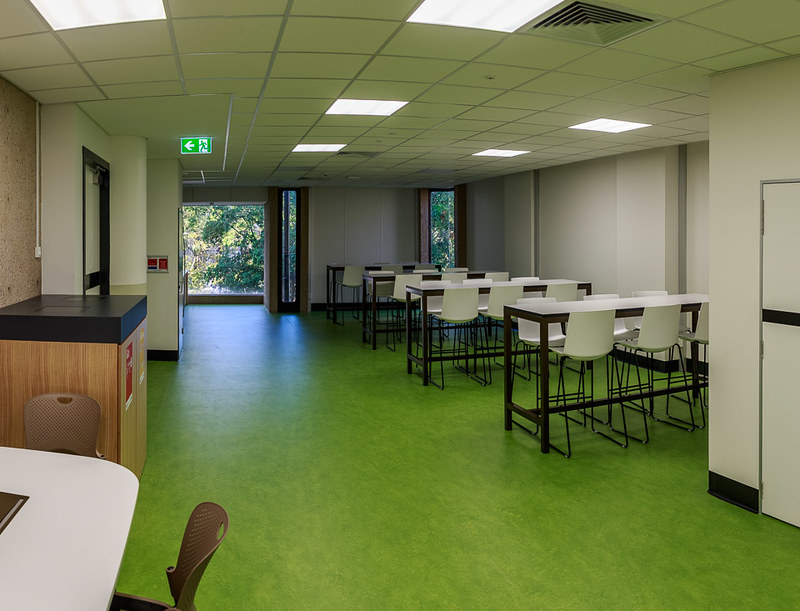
column 426, row 358
column 547, row 313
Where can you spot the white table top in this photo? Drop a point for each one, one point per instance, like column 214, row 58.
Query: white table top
column 621, row 304
column 64, row 547
column 541, row 282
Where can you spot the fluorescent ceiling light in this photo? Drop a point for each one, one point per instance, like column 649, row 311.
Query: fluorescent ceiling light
column 318, row 148
column 67, row 14
column 499, row 15
column 499, row 153
column 609, row 125
column 382, row 108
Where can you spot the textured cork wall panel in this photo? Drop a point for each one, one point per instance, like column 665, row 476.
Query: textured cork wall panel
column 20, row 271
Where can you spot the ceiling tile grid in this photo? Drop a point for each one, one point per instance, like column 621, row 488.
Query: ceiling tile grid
column 259, row 75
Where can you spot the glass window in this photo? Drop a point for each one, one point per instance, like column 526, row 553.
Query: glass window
column 224, row 249
column 443, row 238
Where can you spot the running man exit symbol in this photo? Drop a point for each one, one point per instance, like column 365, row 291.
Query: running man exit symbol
column 195, row 146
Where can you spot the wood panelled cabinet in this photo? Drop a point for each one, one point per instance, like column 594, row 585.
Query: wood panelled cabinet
column 93, row 345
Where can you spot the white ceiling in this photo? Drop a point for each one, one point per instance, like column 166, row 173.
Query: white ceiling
column 258, row 76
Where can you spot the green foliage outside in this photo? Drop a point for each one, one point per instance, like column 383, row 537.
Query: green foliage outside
column 443, row 243
column 224, row 248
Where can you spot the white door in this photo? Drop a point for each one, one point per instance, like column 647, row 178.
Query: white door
column 780, row 365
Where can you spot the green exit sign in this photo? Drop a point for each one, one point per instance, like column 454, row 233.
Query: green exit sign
column 195, row 146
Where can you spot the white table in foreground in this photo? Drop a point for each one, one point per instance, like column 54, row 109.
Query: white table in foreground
column 64, row 547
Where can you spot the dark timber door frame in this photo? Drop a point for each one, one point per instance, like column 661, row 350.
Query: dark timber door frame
column 102, row 171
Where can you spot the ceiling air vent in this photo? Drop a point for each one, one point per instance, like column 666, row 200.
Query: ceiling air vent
column 600, row 25
column 365, row 154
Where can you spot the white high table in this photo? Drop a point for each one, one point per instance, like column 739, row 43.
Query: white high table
column 546, row 313
column 64, row 547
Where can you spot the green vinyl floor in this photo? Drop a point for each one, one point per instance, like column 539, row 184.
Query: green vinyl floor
column 351, row 486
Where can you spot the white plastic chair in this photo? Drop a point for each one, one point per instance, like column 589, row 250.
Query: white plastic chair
column 483, row 298
column 658, row 335
column 460, row 309
column 528, row 334
column 590, row 337
column 454, row 276
column 455, row 269
column 566, row 291
column 352, row 278
column 621, row 330
column 497, row 276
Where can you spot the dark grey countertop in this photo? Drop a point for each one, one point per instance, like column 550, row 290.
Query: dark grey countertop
column 97, row 319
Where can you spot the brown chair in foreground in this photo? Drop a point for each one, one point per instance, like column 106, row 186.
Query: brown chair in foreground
column 205, row 530
column 62, row 422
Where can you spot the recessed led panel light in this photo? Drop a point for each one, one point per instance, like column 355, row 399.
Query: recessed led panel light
column 67, row 14
column 498, row 15
column 499, row 153
column 318, row 148
column 382, row 108
column 609, row 125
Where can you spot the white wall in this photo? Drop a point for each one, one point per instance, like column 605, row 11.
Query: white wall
column 164, row 199
column 755, row 130
column 697, row 218
column 486, row 225
column 128, row 215
column 359, row 226
column 65, row 131
column 578, row 223
column 519, row 224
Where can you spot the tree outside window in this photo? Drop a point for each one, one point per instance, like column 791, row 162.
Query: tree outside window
column 224, row 249
column 443, row 241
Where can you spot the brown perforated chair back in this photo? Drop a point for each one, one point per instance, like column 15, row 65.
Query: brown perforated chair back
column 62, row 422
column 205, row 530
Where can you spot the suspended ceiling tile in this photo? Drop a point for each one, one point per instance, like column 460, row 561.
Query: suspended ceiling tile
column 632, row 93
column 787, row 45
column 211, row 8
column 470, row 126
column 495, row 114
column 239, row 87
column 135, row 70
column 698, row 124
column 562, row 83
column 745, row 57
column 294, row 105
column 457, row 95
column 317, row 65
column 20, row 18
column 694, row 43
column 557, row 119
column 396, row 121
column 30, row 51
column 272, row 131
column 48, row 77
column 427, row 109
column 220, row 35
column 491, row 75
column 610, row 63
column 529, row 129
column 527, row 100
column 68, row 94
column 689, row 104
column 334, row 35
column 423, row 40
column 648, row 115
column 383, row 90
column 325, row 134
column 300, row 120
column 305, row 88
column 535, row 52
column 694, row 137
column 385, row 67
column 750, row 20
column 118, row 40
column 245, row 105
column 143, row 90
column 389, row 132
column 689, row 79
column 225, row 65
column 368, row 9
